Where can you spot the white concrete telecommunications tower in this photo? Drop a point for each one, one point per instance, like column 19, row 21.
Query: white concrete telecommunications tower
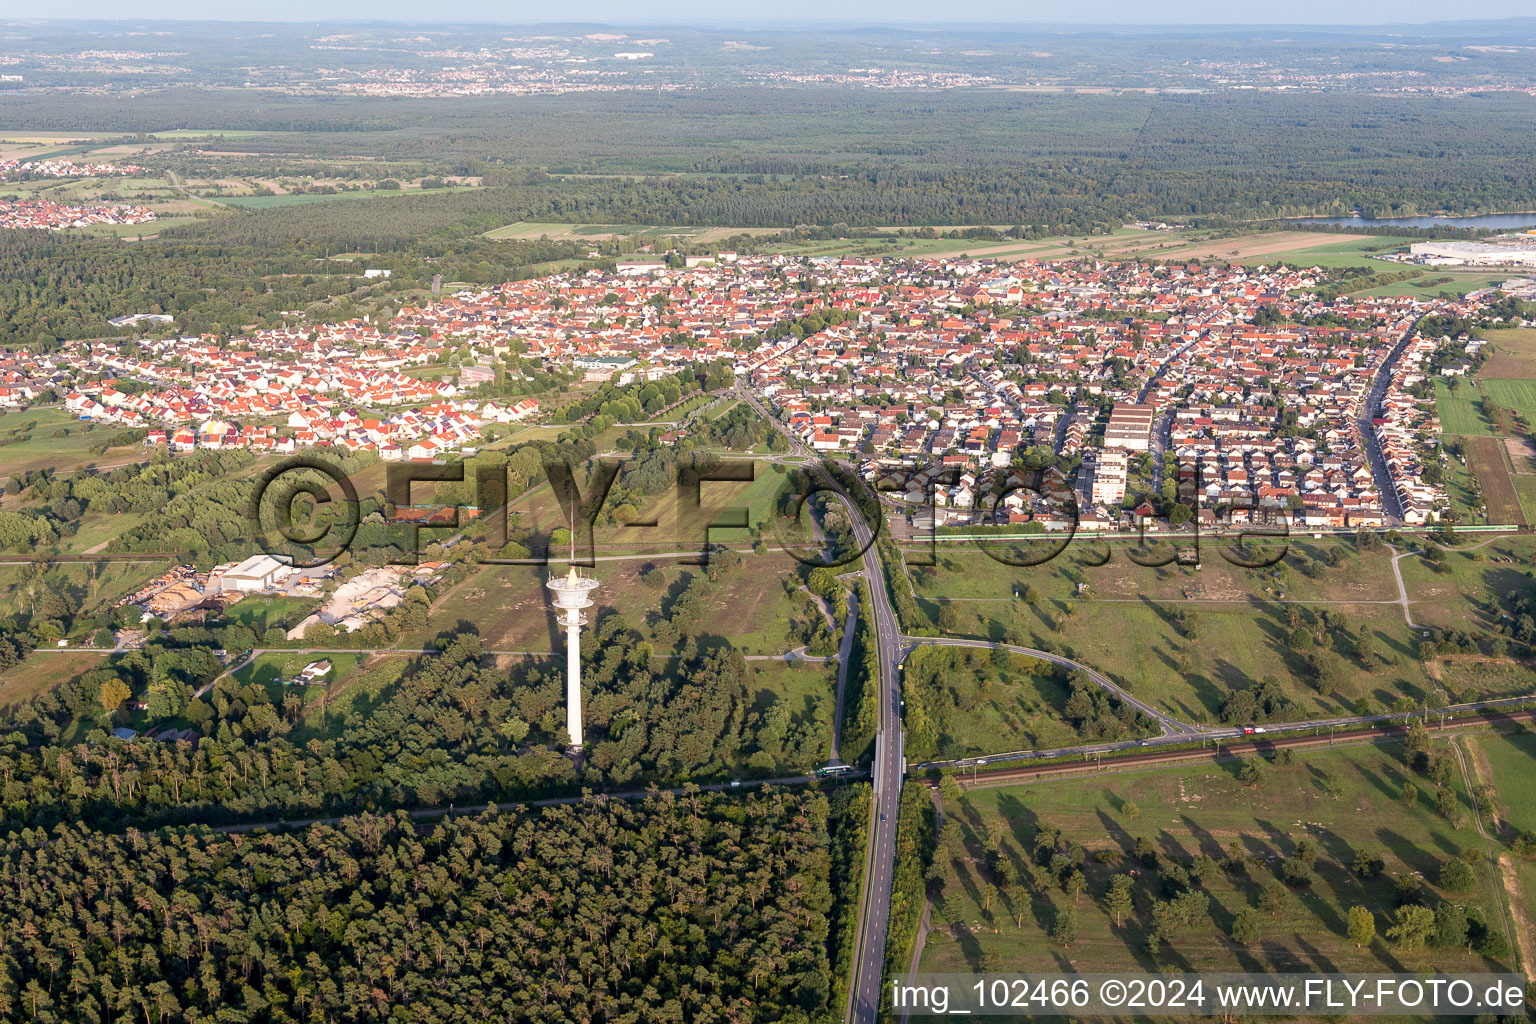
column 572, row 593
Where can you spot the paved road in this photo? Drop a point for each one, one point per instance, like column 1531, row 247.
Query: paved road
column 1389, row 503
column 1402, row 591
column 1163, row 424
column 875, row 901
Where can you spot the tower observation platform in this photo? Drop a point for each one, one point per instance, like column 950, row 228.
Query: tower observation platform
column 572, row 593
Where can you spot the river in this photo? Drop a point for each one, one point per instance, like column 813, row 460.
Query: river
column 1487, row 220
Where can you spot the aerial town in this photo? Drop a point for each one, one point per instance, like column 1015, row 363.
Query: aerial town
column 836, row 514
column 48, row 215
column 1109, row 368
column 23, row 170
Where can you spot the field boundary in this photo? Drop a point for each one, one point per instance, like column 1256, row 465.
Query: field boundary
column 1489, row 461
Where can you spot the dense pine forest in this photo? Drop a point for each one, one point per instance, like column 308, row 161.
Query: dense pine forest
column 819, row 160
column 687, row 908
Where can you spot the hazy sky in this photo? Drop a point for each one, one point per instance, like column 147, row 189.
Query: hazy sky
column 798, row 12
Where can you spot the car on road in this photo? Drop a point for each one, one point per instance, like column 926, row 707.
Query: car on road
column 1142, row 743
column 1248, row 730
column 735, row 783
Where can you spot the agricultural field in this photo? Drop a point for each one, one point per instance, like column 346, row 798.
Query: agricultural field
column 1515, row 355
column 1342, row 801
column 1486, row 412
column 1489, row 461
column 1461, row 410
column 1298, row 248
column 1518, row 396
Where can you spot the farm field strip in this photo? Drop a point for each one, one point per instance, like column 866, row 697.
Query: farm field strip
column 1488, row 459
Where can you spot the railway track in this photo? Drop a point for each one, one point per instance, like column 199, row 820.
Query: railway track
column 1224, row 751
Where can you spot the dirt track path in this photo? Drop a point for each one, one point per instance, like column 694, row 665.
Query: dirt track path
column 1520, row 928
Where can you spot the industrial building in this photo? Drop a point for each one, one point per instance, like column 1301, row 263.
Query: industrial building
column 255, row 573
column 1517, row 250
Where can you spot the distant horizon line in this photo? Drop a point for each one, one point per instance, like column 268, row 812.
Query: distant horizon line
column 795, row 24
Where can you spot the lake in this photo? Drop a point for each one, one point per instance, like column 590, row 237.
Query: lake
column 1488, row 220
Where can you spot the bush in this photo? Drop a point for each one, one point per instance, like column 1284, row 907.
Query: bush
column 1368, row 864
column 1456, row 876
column 1296, row 871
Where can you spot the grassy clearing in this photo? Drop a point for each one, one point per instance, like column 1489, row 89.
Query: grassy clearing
column 262, row 612
column 42, row 671
column 364, row 689
column 1466, row 499
column 269, row 669
column 54, row 439
column 681, row 525
column 964, row 572
column 1504, row 760
column 509, row 604
column 268, row 202
column 1134, row 622
column 94, row 585
column 1511, row 755
column 1471, row 586
column 990, row 704
column 1461, row 411
column 808, row 694
column 1342, row 800
column 1514, row 355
